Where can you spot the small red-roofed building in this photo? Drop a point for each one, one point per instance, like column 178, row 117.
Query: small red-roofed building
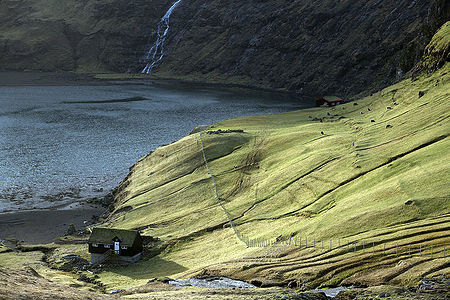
column 329, row 100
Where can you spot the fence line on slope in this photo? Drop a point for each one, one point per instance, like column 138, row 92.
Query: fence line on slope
column 227, row 213
column 209, row 169
column 412, row 249
column 293, row 241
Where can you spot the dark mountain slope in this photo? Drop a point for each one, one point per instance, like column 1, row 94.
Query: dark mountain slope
column 310, row 46
column 315, row 47
column 86, row 35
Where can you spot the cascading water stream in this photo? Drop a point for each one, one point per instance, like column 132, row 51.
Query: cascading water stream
column 156, row 52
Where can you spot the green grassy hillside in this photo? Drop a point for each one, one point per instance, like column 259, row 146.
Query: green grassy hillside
column 371, row 176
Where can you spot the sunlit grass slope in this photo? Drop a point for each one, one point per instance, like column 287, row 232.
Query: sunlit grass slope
column 375, row 170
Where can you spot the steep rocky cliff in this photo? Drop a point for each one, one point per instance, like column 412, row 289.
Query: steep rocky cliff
column 306, row 46
column 82, row 35
column 313, row 47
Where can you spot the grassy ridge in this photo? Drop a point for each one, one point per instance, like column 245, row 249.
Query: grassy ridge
column 373, row 171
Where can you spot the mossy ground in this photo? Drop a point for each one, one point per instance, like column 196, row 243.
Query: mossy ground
column 37, row 258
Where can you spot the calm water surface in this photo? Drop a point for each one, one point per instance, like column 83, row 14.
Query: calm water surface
column 53, row 152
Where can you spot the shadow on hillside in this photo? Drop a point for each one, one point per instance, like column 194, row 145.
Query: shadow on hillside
column 147, row 269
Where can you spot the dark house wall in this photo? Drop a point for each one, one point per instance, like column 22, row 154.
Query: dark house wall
column 136, row 247
column 98, row 250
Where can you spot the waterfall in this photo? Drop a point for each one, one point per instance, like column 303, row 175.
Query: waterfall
column 156, row 52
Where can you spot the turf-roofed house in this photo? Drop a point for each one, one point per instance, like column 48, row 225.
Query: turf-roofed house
column 115, row 245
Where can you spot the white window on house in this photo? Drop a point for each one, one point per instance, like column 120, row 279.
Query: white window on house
column 116, row 247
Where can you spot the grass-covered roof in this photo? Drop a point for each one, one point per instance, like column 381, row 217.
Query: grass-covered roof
column 332, row 98
column 106, row 236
